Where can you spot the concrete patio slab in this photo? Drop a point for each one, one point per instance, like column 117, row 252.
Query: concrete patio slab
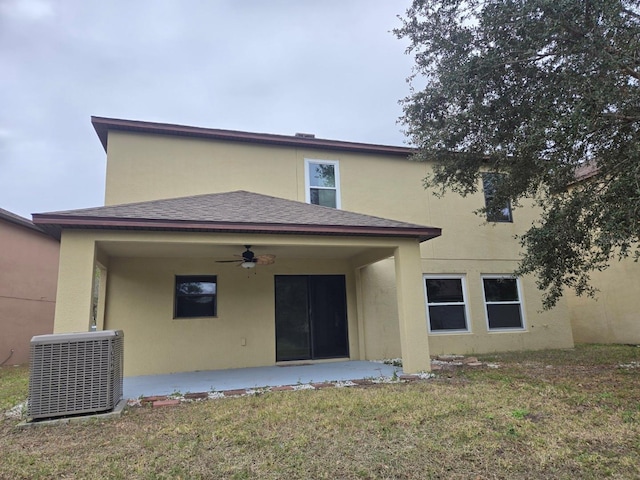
column 242, row 378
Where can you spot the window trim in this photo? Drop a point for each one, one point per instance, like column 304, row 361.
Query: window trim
column 520, row 303
column 307, row 179
column 200, row 278
column 465, row 302
column 484, row 191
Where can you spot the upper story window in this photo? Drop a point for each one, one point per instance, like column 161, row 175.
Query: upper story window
column 502, row 213
column 195, row 296
column 322, row 182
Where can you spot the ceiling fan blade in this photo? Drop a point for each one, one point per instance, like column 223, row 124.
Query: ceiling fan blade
column 248, row 257
column 266, row 259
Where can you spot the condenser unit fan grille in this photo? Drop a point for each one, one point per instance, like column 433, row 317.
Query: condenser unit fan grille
column 75, row 373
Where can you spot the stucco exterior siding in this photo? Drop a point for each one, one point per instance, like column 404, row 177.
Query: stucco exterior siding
column 21, row 319
column 541, row 329
column 242, row 334
column 383, row 259
column 148, row 167
column 381, row 334
column 28, row 276
column 177, row 167
column 614, row 315
column 75, row 283
column 414, row 340
column 141, row 271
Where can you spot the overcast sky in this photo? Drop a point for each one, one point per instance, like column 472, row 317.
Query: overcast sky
column 327, row 67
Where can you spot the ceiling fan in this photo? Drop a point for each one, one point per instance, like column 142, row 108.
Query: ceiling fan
column 249, row 260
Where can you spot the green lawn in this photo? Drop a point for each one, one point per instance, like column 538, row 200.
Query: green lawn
column 14, row 385
column 555, row 414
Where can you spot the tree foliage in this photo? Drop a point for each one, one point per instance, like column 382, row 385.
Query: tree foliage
column 535, row 89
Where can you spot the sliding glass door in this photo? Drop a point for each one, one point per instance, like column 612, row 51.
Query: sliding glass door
column 311, row 317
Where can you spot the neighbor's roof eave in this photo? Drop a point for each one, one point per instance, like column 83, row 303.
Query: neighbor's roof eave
column 11, row 217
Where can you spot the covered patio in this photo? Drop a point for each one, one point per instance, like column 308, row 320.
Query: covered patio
column 256, row 377
column 307, row 303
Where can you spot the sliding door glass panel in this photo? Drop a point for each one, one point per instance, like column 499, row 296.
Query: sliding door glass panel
column 292, row 318
column 328, row 315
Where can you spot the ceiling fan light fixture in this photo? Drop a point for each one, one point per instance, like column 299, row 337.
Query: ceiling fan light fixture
column 249, row 260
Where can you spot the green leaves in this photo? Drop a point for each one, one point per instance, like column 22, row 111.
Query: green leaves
column 535, row 89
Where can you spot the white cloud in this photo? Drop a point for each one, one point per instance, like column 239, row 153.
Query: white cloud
column 331, row 68
column 30, row 10
column 5, row 134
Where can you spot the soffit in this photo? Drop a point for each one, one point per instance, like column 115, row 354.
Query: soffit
column 128, row 249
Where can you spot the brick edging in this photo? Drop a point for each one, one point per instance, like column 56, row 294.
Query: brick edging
column 441, row 362
column 174, row 400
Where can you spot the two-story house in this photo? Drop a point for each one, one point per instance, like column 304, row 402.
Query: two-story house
column 345, row 255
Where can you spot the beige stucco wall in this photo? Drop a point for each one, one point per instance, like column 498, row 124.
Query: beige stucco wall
column 614, row 315
column 541, row 329
column 150, row 167
column 381, row 335
column 28, row 277
column 147, row 167
column 243, row 333
column 141, row 269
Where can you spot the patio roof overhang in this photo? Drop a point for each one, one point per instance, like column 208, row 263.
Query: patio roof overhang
column 55, row 224
column 219, row 213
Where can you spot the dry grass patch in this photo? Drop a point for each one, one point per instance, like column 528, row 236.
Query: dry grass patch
column 523, row 420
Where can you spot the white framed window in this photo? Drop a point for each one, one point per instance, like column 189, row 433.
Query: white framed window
column 446, row 303
column 322, row 182
column 503, row 302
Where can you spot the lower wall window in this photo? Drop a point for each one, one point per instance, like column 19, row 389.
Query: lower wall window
column 502, row 302
column 446, row 305
column 195, row 296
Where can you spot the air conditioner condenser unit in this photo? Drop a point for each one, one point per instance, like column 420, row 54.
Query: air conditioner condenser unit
column 75, row 373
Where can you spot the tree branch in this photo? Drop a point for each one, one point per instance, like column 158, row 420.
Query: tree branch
column 624, row 118
column 631, row 72
column 631, row 13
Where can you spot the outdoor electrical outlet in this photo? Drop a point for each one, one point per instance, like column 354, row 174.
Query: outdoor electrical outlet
column 243, row 342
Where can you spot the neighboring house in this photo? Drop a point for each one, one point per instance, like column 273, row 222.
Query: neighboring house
column 368, row 265
column 613, row 316
column 28, row 278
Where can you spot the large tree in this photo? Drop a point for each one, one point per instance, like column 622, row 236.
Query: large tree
column 535, row 90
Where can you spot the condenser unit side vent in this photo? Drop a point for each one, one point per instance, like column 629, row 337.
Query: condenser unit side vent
column 75, row 374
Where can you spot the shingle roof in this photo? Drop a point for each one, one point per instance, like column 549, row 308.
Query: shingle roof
column 238, row 211
column 104, row 125
column 18, row 220
column 585, row 171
